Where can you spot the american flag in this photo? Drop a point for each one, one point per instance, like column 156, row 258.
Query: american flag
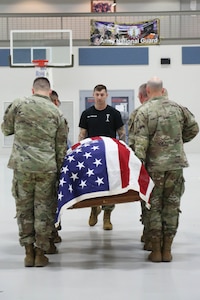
column 97, row 167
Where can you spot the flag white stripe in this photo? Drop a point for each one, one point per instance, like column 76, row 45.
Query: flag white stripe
column 112, row 161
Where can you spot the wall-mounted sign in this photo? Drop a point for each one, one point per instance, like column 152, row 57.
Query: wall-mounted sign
column 114, row 34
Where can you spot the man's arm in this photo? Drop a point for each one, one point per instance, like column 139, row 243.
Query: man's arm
column 131, row 137
column 7, row 126
column 61, row 141
column 141, row 136
column 121, row 133
column 82, row 134
column 191, row 127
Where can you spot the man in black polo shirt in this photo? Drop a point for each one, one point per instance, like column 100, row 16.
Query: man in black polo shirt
column 101, row 119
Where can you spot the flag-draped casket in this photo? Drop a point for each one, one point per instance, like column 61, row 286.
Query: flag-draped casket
column 99, row 167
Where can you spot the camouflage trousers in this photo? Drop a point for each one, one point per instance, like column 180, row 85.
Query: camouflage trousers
column 36, row 201
column 163, row 217
column 108, row 207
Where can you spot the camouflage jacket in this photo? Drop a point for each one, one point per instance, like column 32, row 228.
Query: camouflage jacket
column 131, row 136
column 161, row 127
column 40, row 134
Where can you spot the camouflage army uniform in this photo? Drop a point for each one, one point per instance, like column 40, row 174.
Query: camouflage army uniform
column 131, row 142
column 161, row 127
column 131, row 136
column 40, row 134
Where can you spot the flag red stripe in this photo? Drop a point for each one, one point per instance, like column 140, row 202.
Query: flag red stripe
column 143, row 180
column 124, row 155
column 75, row 146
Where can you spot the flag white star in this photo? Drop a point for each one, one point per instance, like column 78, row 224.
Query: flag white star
column 65, row 169
column 60, row 196
column 78, row 150
column 87, row 155
column 70, row 158
column 90, row 172
column 83, row 183
column 70, row 188
column 94, row 148
column 80, row 165
column 97, row 162
column 74, row 176
column 62, row 181
column 99, row 181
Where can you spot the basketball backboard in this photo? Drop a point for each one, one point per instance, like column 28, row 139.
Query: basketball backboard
column 52, row 45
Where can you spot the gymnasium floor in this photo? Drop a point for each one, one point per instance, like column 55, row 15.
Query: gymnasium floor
column 94, row 264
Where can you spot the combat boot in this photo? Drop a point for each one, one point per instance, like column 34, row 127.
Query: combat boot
column 52, row 249
column 147, row 241
column 147, row 245
column 40, row 259
column 29, row 259
column 166, row 251
column 95, row 211
column 107, row 225
column 155, row 255
column 56, row 237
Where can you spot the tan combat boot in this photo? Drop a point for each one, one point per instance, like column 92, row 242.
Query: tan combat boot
column 29, row 259
column 155, row 255
column 147, row 244
column 107, row 225
column 166, row 251
column 56, row 237
column 40, row 259
column 52, row 249
column 146, row 239
column 95, row 211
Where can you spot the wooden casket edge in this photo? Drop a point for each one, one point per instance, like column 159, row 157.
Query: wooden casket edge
column 130, row 196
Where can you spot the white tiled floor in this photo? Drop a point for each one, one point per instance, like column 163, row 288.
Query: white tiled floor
column 96, row 265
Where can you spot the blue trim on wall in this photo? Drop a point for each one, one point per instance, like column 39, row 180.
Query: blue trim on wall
column 113, row 56
column 191, row 55
column 102, row 56
column 4, row 57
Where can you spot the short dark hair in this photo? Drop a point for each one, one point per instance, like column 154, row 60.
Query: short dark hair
column 54, row 93
column 100, row 87
column 54, row 97
column 41, row 83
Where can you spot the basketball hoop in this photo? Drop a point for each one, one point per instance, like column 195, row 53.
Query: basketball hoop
column 41, row 67
column 41, row 63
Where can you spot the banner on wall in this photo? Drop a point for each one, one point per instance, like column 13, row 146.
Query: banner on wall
column 134, row 34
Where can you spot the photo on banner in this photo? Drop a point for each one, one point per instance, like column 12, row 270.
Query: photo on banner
column 115, row 34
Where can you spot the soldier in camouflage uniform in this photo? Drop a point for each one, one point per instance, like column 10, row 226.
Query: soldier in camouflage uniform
column 40, row 134
column 55, row 236
column 142, row 95
column 161, row 127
